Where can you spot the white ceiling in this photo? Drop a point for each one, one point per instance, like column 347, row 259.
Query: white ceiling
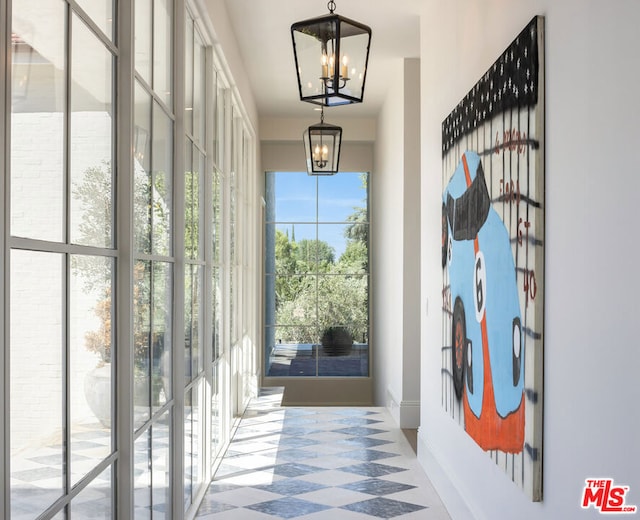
column 262, row 29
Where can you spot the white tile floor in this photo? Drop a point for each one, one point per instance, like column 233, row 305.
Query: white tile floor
column 319, row 463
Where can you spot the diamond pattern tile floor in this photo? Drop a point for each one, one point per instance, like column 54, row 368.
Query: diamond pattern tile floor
column 319, row 463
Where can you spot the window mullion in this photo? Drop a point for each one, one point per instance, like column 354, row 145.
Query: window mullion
column 177, row 460
column 317, row 278
column 124, row 470
column 208, row 256
column 66, row 292
column 5, row 68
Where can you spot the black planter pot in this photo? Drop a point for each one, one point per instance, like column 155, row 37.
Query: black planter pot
column 336, row 341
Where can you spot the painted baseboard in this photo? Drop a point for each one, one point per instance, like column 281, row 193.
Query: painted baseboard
column 449, row 494
column 405, row 412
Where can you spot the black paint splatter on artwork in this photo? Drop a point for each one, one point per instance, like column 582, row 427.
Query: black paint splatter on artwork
column 511, row 82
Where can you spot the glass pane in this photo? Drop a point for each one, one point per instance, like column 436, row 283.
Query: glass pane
column 142, row 39
column 193, row 439
column 291, row 351
column 161, row 465
column 292, row 248
column 315, row 254
column 233, row 142
column 36, row 382
column 161, row 181
column 232, row 305
column 342, row 300
column 37, row 109
column 188, row 448
column 296, row 300
column 194, row 363
column 216, row 432
column 233, row 205
column 291, row 197
column 197, row 438
column 335, row 360
column 142, row 193
column 95, row 501
column 91, row 369
column 162, row 49
column 193, row 202
column 342, row 197
column 101, row 12
column 344, row 350
column 355, row 49
column 212, row 98
column 220, row 124
column 188, row 321
column 190, row 205
column 198, row 90
column 216, row 236
column 142, row 477
column 216, row 310
column 350, row 255
column 198, row 359
column 91, row 143
column 162, row 297
column 188, row 75
column 198, row 197
column 141, row 339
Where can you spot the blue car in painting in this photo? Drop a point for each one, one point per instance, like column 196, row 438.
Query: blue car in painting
column 486, row 332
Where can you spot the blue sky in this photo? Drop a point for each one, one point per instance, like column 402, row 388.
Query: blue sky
column 338, row 195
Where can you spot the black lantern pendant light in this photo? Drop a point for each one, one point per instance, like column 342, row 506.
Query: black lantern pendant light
column 331, row 54
column 322, row 145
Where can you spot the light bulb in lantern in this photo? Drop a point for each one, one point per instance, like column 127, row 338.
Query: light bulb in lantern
column 344, row 72
column 325, row 65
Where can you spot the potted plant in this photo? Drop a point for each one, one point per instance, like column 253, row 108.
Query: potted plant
column 98, row 382
column 94, row 192
column 336, row 341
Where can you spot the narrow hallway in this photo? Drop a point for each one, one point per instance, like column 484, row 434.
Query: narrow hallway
column 319, row 463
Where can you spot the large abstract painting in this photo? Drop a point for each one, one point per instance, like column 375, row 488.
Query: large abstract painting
column 493, row 260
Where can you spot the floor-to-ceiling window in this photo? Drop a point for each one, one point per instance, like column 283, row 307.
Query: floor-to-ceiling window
column 195, row 260
column 154, row 256
column 317, row 275
column 215, row 275
column 62, row 260
column 119, row 289
column 241, row 292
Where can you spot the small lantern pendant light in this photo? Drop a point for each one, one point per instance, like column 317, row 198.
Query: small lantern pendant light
column 322, row 145
column 331, row 54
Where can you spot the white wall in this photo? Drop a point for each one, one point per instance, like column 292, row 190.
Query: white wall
column 291, row 129
column 395, row 207
column 410, row 404
column 289, row 156
column 387, row 221
column 591, row 391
